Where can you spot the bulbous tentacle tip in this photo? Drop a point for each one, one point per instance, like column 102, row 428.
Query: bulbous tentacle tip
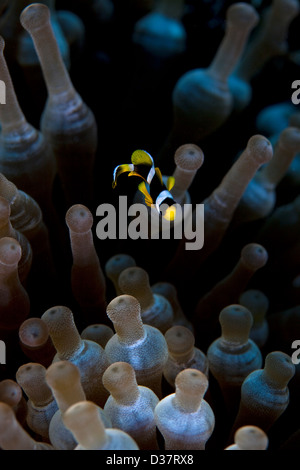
column 8, row 189
column 10, row 392
column 290, row 139
column 79, row 415
column 254, row 300
column 28, row 372
column 251, row 437
column 61, row 373
column 10, row 251
column 279, row 367
column 260, row 148
column 116, row 264
column 54, row 314
column 242, row 14
column 79, row 218
column 254, row 256
column 288, row 8
column 122, row 306
column 117, row 376
column 179, row 340
column 165, row 289
column 133, row 278
column 192, row 381
column 189, row 157
column 33, row 332
column 235, row 320
column 35, row 17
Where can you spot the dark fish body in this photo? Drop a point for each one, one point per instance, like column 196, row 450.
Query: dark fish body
column 152, row 185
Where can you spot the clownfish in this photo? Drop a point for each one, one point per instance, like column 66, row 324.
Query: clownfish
column 152, row 187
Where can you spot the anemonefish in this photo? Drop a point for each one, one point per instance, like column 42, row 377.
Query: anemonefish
column 152, row 187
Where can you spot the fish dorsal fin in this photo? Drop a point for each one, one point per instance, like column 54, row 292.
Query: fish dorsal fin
column 141, row 157
column 170, row 183
column 119, row 170
column 143, row 189
column 159, row 175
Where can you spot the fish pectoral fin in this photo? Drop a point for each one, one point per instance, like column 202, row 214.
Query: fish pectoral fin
column 159, row 175
column 143, row 189
column 170, row 183
column 141, row 157
column 119, row 170
column 134, row 173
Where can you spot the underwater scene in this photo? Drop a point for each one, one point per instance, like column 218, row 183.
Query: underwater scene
column 149, row 227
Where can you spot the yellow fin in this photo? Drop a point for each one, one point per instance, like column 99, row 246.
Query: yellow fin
column 170, row 213
column 141, row 157
column 143, row 189
column 119, row 170
column 170, row 183
column 134, row 173
column 159, row 175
